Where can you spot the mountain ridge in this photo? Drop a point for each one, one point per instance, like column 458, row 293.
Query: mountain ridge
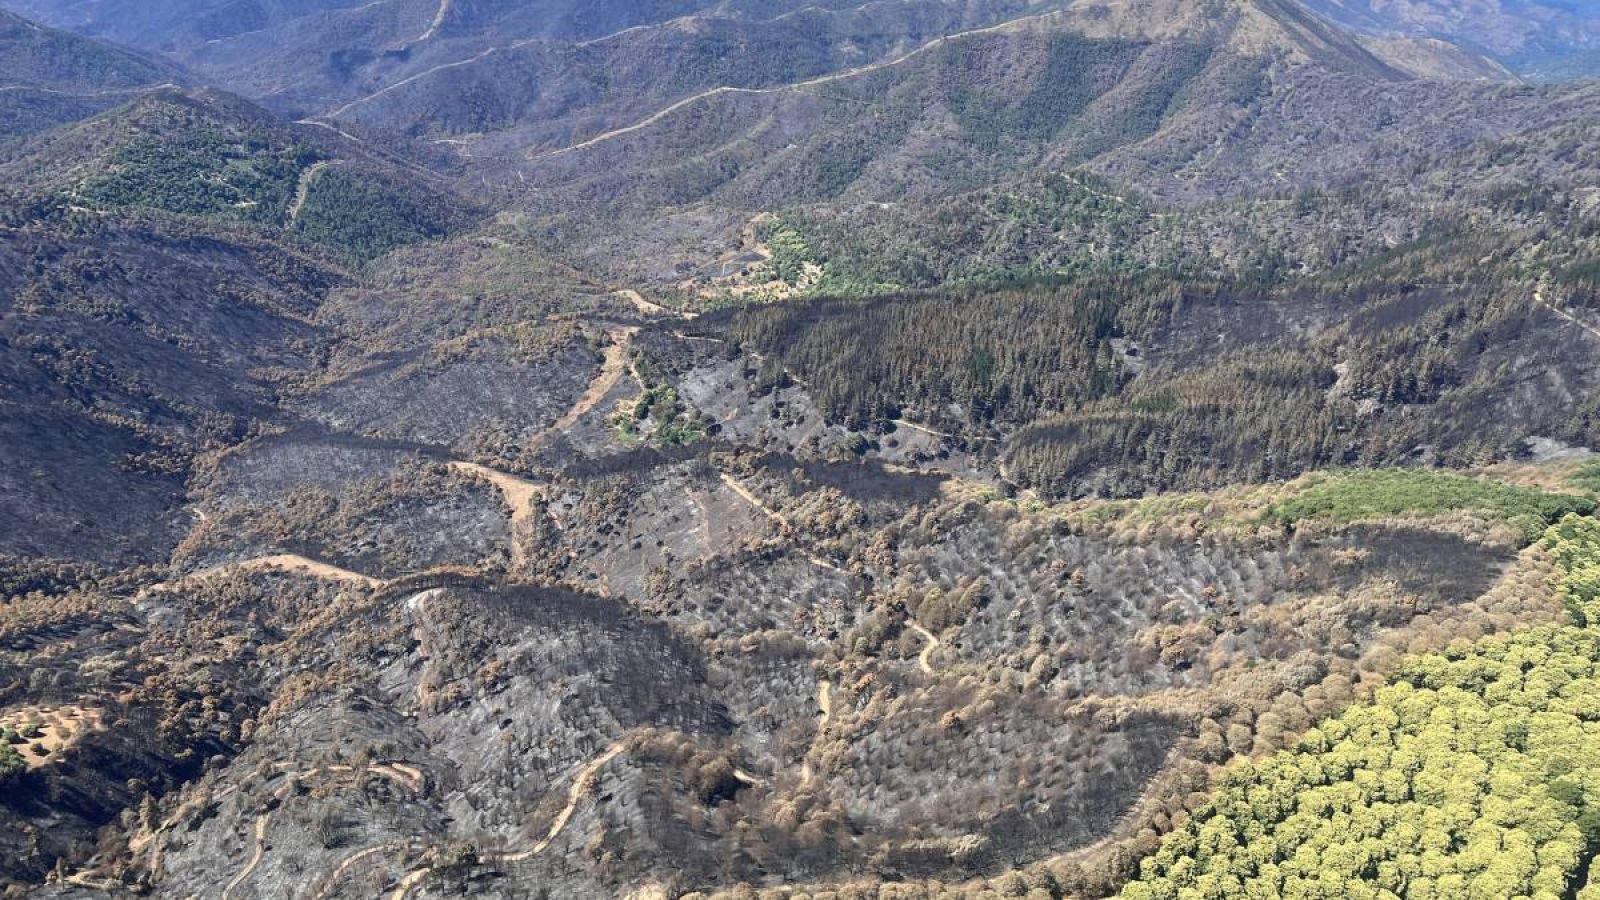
column 770, row 451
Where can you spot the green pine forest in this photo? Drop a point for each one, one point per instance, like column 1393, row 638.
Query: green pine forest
column 1475, row 773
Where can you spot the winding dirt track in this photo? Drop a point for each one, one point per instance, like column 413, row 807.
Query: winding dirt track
column 437, row 23
column 1539, row 298
column 282, row 562
column 400, row 772
column 255, row 858
column 303, row 189
column 825, row 714
column 649, row 308
column 418, row 604
column 611, row 372
column 793, row 86
column 778, row 517
column 924, row 659
column 332, row 880
column 580, row 786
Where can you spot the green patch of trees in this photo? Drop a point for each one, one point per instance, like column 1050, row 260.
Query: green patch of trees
column 1474, row 774
column 659, row 417
column 11, row 762
column 1587, row 477
column 201, row 171
column 1383, row 493
column 363, row 218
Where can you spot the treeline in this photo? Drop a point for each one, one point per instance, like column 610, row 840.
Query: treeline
column 1415, row 371
column 1475, row 773
column 1117, row 384
column 961, row 359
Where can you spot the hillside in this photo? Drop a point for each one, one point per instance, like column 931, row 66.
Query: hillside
column 50, row 77
column 216, row 157
column 190, row 241
column 683, row 449
column 1176, row 130
column 1535, row 38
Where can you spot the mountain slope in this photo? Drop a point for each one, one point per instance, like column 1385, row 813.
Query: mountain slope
column 1536, row 38
column 50, row 77
column 302, row 55
column 1188, row 103
column 760, row 488
column 191, row 240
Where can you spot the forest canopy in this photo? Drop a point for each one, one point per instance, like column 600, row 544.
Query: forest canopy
column 1474, row 773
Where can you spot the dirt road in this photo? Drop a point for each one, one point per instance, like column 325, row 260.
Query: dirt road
column 303, row 189
column 580, row 786
column 924, row 659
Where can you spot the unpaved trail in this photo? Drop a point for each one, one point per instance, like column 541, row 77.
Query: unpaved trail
column 777, row 517
column 934, row 432
column 437, row 23
column 792, row 86
column 303, row 189
column 1539, row 298
column 405, row 774
column 922, row 428
column 333, row 128
column 332, row 879
column 580, row 786
column 409, row 775
column 824, row 715
column 418, row 604
column 519, row 494
column 924, row 659
column 283, row 562
column 708, row 550
column 114, row 92
column 612, row 369
column 649, row 308
column 255, row 858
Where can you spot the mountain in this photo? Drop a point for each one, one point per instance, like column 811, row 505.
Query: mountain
column 929, row 448
column 1536, row 38
column 191, row 240
column 309, row 56
column 1141, row 98
column 215, row 156
column 49, row 77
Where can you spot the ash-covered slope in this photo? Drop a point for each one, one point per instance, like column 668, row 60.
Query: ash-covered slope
column 163, row 266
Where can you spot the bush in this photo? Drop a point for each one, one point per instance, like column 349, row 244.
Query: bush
column 11, row 762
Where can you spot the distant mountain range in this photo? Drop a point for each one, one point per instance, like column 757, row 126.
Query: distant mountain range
column 49, row 77
column 672, row 448
column 1538, row 39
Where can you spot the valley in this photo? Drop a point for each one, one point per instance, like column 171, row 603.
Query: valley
column 674, row 448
